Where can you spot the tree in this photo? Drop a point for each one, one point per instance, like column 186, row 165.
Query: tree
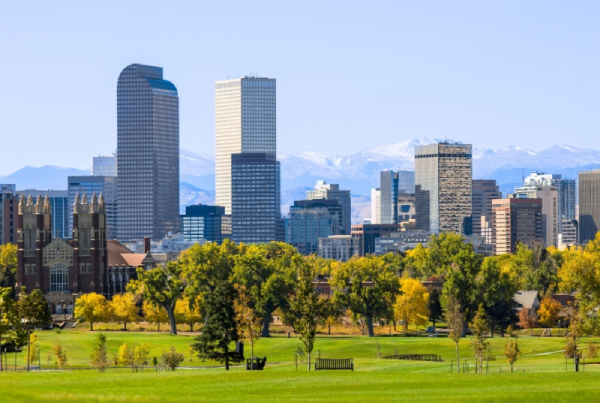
column 331, row 313
column 548, row 312
column 171, row 359
column 141, row 352
column 189, row 311
column 411, row 304
column 10, row 322
column 34, row 312
column 439, row 255
column 155, row 314
column 526, row 321
column 92, row 308
column 511, row 349
column 306, row 305
column 61, row 354
column 33, row 354
column 365, row 286
column 124, row 308
column 573, row 336
column 220, row 328
column 125, row 356
column 479, row 327
column 496, row 291
column 98, row 357
column 248, row 323
column 162, row 286
column 265, row 270
column 455, row 320
column 434, row 305
column 8, row 267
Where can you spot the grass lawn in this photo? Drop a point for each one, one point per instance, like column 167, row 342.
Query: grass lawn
column 540, row 373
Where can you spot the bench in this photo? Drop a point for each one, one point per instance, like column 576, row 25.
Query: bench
column 332, row 363
column 414, row 357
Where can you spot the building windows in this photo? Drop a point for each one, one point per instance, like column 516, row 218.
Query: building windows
column 59, row 277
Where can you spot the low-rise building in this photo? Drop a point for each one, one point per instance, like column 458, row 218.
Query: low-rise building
column 338, row 247
column 400, row 241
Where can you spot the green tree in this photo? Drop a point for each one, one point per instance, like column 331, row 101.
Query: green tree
column 479, row 327
column 34, row 312
column 511, row 349
column 98, row 357
column 171, row 359
column 366, row 286
column 455, row 320
column 10, row 322
column 306, row 305
column 92, row 308
column 437, row 258
column 8, row 267
column 220, row 328
column 141, row 352
column 496, row 290
column 163, row 286
column 265, row 270
column 434, row 305
column 248, row 323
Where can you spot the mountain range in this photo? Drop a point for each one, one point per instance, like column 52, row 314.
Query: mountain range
column 358, row 172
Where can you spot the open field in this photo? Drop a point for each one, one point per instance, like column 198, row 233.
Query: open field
column 374, row 379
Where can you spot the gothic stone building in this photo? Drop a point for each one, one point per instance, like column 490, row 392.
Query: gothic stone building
column 64, row 269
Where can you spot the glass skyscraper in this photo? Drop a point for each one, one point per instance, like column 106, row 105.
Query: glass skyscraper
column 148, row 154
column 88, row 185
column 245, row 122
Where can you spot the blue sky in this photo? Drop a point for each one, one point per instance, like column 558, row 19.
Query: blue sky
column 351, row 75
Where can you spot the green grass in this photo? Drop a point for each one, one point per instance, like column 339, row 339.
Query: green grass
column 374, row 379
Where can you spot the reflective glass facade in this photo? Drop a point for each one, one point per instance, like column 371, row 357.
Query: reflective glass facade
column 88, row 185
column 148, row 154
column 202, row 222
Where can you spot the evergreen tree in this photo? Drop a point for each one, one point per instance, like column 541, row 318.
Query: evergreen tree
column 220, row 329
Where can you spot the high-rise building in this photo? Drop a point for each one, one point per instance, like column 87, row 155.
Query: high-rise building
column 88, row 185
column 569, row 235
column 550, row 216
column 8, row 214
column 327, row 191
column 393, row 186
column 256, row 198
column 514, row 221
column 202, row 222
column 310, row 220
column 60, row 209
column 148, row 154
column 589, row 205
column 245, row 122
column 104, row 166
column 368, row 233
column 375, row 206
column 484, row 191
column 443, row 175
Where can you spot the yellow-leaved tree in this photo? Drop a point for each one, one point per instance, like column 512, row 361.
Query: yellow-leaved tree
column 124, row 308
column 548, row 312
column 155, row 314
column 92, row 308
column 188, row 311
column 412, row 305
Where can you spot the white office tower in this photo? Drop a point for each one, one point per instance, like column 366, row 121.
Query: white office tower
column 245, row 122
column 375, row 206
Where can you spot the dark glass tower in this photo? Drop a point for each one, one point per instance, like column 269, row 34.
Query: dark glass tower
column 148, row 154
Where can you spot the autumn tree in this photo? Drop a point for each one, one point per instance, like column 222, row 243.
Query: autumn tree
column 61, row 354
column 124, row 308
column 248, row 323
column 154, row 314
column 220, row 329
column 171, row 359
column 34, row 312
column 412, row 304
column 99, row 357
column 125, row 355
column 306, row 305
column 511, row 349
column 526, row 320
column 92, row 308
column 365, row 286
column 141, row 352
column 548, row 312
column 162, row 286
column 188, row 311
column 33, row 355
column 455, row 320
column 479, row 326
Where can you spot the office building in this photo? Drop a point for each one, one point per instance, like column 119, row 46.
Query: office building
column 205, row 223
column 8, row 214
column 104, row 166
column 338, row 247
column 245, row 122
column 400, row 241
column 368, row 233
column 569, row 235
column 327, row 191
column 406, row 207
column 375, row 206
column 443, row 180
column 484, row 191
column 88, row 185
column 256, row 198
column 148, row 154
column 310, row 220
column 514, row 221
column 589, row 205
column 550, row 217
column 392, row 186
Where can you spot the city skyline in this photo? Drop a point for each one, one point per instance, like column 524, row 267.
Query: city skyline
column 500, row 87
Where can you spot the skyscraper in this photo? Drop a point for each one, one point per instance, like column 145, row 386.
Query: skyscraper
column 202, row 222
column 548, row 194
column 329, row 191
column 589, row 205
column 100, row 185
column 443, row 175
column 310, row 220
column 245, row 122
column 8, row 214
column 388, row 197
column 514, row 221
column 256, row 197
column 484, row 191
column 375, row 206
column 148, row 154
column 104, row 166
